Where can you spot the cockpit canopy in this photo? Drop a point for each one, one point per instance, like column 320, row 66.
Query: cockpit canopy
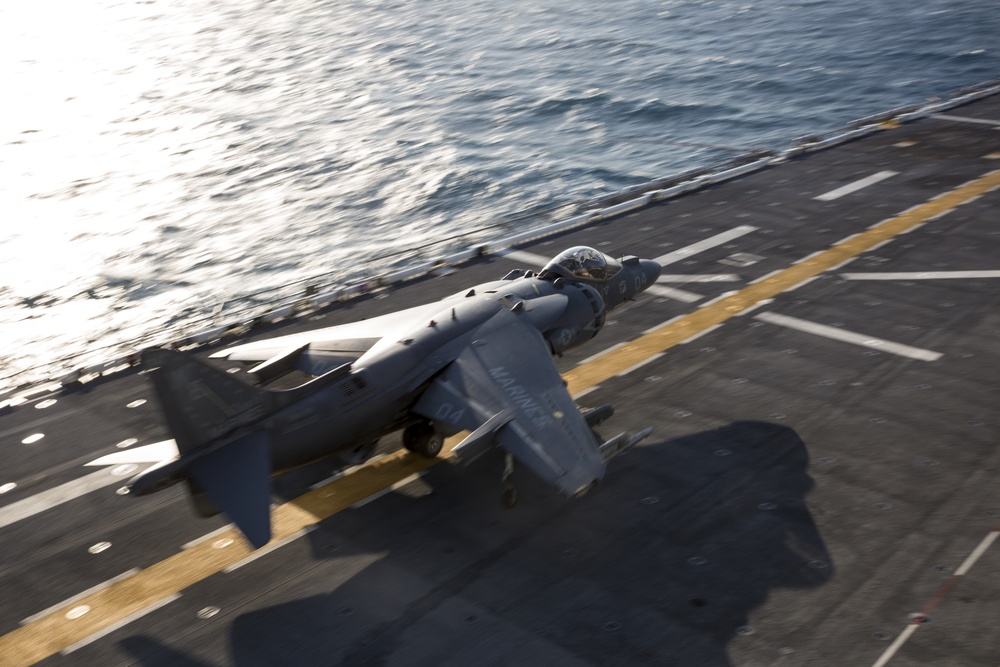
column 582, row 263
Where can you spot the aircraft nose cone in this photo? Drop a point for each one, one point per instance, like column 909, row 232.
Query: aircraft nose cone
column 651, row 269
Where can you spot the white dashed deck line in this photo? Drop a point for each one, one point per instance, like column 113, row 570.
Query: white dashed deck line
column 268, row 548
column 699, row 278
column 642, row 363
column 706, row 244
column 856, row 185
column 701, row 333
column 922, row 275
column 207, row 536
column 977, row 553
column 46, row 500
column 895, row 646
column 674, row 293
column 602, row 353
column 398, row 485
column 581, row 394
column 663, row 324
column 963, row 569
column 346, row 471
column 838, row 334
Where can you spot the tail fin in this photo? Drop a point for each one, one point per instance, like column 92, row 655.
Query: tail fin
column 202, row 405
column 200, row 402
column 215, row 420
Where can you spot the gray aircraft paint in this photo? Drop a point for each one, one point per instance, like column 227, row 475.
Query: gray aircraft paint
column 434, row 369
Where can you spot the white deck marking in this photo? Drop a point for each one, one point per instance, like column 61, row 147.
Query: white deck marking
column 268, row 548
column 381, row 492
column 802, row 284
column 895, row 646
column 207, row 536
column 700, row 334
column 119, row 624
column 663, row 324
column 79, row 596
column 701, row 246
column 642, row 363
column 674, row 293
column 855, row 186
column 346, row 471
column 759, row 304
column 977, row 553
column 602, row 353
column 46, row 500
column 835, row 333
column 921, row 275
column 966, row 119
column 963, row 569
column 699, row 278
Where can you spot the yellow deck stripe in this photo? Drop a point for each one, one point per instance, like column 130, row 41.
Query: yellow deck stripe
column 607, row 366
column 53, row 633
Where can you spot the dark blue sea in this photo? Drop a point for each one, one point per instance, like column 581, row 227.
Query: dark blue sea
column 161, row 159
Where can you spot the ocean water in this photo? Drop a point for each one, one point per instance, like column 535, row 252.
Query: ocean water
column 164, row 158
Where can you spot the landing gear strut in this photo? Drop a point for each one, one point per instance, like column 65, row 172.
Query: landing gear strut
column 423, row 439
column 509, row 494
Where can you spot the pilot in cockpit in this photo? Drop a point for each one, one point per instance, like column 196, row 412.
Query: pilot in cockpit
column 581, row 263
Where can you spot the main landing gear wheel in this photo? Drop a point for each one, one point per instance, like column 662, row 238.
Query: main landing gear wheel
column 423, row 439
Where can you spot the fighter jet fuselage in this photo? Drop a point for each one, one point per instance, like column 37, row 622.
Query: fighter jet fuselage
column 478, row 361
column 372, row 398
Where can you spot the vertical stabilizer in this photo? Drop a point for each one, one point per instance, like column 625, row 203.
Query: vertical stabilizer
column 200, row 402
column 223, row 448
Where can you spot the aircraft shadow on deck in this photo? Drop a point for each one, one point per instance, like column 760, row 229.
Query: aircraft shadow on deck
column 662, row 564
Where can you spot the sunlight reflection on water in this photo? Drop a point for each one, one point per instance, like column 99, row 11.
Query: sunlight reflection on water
column 160, row 157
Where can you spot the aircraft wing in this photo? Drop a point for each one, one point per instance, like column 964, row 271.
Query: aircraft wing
column 505, row 388
column 320, row 350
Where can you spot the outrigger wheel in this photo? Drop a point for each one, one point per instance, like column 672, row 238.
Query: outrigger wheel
column 423, row 439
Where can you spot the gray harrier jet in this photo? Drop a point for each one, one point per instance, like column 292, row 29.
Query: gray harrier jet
column 478, row 362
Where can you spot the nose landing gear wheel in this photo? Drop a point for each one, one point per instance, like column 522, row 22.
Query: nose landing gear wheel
column 423, row 439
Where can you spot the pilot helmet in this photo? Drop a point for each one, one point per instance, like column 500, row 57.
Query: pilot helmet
column 579, row 263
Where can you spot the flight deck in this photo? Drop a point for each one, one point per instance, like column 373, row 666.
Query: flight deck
column 818, row 363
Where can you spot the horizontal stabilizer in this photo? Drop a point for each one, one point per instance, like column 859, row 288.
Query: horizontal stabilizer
column 237, row 479
column 154, row 453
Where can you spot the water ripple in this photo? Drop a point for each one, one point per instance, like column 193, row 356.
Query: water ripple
column 166, row 157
